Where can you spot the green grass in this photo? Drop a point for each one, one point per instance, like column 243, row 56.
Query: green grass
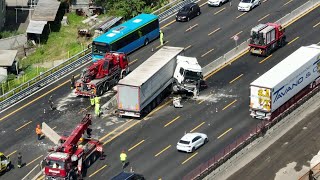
column 60, row 45
column 6, row 34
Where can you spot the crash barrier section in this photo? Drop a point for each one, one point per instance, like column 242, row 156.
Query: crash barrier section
column 69, row 65
column 205, row 168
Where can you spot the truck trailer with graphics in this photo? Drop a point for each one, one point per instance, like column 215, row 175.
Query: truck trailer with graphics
column 284, row 84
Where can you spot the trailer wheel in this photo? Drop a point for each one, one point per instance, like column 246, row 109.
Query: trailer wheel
column 106, row 87
column 100, row 90
column 88, row 162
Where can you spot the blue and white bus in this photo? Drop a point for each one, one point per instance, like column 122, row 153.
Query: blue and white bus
column 128, row 36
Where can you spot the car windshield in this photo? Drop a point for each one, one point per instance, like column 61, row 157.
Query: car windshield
column 184, row 9
column 55, row 164
column 246, row 1
column 184, row 142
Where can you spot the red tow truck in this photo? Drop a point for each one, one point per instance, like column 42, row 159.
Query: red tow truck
column 73, row 154
column 102, row 74
column 265, row 38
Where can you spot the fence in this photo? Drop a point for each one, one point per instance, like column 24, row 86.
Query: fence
column 205, row 168
column 315, row 173
column 171, row 8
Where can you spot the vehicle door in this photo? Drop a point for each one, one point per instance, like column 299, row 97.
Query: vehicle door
column 2, row 165
column 193, row 10
column 196, row 141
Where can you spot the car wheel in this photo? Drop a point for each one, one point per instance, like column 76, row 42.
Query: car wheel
column 206, row 140
column 198, row 13
column 188, row 19
column 193, row 149
column 220, row 4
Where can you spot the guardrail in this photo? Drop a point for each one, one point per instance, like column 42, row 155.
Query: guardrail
column 45, row 78
column 52, row 74
column 171, row 8
column 205, row 168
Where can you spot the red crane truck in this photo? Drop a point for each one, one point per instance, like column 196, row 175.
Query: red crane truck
column 73, row 154
column 102, row 74
column 265, row 38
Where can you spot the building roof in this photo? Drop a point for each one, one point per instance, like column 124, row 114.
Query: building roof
column 36, row 27
column 287, row 66
column 46, row 10
column 7, row 57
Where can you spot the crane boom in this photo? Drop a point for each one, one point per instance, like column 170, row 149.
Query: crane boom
column 76, row 134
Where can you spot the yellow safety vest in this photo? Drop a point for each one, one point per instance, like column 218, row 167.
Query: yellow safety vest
column 123, row 156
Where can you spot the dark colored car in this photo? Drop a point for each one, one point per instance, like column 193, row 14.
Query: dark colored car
column 188, row 12
column 128, row 176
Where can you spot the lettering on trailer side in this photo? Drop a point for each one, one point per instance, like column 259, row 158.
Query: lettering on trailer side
column 284, row 90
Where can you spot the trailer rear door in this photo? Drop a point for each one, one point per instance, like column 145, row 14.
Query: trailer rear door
column 260, row 98
column 128, row 98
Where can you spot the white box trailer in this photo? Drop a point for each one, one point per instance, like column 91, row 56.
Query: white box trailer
column 144, row 85
column 271, row 92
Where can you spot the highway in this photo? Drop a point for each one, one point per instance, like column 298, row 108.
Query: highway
column 18, row 123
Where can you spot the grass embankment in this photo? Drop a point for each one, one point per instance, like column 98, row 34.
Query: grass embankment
column 59, row 46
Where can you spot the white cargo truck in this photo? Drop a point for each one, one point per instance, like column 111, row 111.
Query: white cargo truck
column 144, row 88
column 286, row 83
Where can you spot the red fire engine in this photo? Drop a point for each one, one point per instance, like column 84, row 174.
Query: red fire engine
column 74, row 153
column 265, row 38
column 102, row 74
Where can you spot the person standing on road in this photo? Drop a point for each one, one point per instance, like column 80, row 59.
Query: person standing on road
column 161, row 38
column 50, row 102
column 19, row 160
column 72, row 82
column 38, row 131
column 123, row 158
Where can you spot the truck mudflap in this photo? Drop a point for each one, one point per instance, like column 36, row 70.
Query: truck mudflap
column 256, row 51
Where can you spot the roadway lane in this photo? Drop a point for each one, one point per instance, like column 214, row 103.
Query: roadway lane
column 210, row 35
column 223, row 116
column 17, row 128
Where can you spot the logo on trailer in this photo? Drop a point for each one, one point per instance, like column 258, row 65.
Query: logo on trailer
column 264, row 98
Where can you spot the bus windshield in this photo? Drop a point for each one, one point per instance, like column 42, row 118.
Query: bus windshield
column 100, row 48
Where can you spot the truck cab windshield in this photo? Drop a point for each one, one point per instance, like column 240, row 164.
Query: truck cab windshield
column 192, row 75
column 257, row 38
column 55, row 164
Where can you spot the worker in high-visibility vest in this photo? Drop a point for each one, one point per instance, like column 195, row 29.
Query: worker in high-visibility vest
column 123, row 158
column 97, row 100
column 97, row 109
column 38, row 131
column 161, row 38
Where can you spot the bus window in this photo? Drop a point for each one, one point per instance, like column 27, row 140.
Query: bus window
column 100, row 48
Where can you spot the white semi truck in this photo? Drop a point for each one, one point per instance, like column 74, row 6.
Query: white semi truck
column 144, row 88
column 284, row 84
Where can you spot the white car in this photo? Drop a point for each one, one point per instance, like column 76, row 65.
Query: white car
column 191, row 141
column 216, row 2
column 247, row 5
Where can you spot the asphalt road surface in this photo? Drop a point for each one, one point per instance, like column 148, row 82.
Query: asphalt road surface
column 17, row 125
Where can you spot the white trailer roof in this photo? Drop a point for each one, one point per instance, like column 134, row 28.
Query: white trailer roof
column 286, row 67
column 153, row 64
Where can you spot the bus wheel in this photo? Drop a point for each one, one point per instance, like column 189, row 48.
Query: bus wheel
column 146, row 42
